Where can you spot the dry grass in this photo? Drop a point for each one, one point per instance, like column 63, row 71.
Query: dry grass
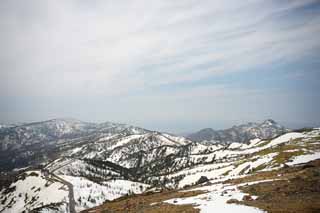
column 298, row 190
column 148, row 203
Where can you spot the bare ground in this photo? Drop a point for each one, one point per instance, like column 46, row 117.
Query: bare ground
column 297, row 190
column 148, row 203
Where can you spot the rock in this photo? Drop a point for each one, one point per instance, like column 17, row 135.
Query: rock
column 232, row 201
column 247, row 198
column 202, row 179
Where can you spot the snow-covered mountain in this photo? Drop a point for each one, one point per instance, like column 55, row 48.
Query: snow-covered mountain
column 92, row 163
column 34, row 143
column 241, row 133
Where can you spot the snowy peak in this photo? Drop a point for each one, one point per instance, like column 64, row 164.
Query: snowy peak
column 269, row 122
column 59, row 127
column 242, row 133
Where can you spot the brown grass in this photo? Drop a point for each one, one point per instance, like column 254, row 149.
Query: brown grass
column 148, row 203
column 298, row 191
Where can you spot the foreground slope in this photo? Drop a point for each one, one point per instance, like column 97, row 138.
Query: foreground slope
column 286, row 190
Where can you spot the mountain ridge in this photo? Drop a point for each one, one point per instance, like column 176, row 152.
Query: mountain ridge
column 242, row 133
column 32, row 142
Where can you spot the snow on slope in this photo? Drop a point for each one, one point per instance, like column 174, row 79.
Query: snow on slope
column 285, row 138
column 242, row 159
column 213, row 161
column 124, row 141
column 120, row 150
column 33, row 192
column 216, row 200
column 89, row 194
column 78, row 167
column 304, row 158
column 241, row 133
column 179, row 140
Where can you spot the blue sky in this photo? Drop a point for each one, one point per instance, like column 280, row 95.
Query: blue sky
column 172, row 66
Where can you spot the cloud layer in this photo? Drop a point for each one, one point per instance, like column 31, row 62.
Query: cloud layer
column 155, row 62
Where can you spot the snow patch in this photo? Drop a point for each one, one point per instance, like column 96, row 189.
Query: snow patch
column 285, row 138
column 216, row 200
column 304, row 158
column 88, row 194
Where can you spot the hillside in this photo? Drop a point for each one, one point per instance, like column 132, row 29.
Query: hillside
column 286, row 190
column 131, row 161
column 35, row 143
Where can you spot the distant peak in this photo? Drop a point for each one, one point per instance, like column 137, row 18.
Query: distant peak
column 207, row 129
column 269, row 122
column 73, row 120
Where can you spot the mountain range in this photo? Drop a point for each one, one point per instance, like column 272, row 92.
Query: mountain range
column 34, row 143
column 65, row 165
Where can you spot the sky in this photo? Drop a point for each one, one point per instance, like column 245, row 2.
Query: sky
column 175, row 66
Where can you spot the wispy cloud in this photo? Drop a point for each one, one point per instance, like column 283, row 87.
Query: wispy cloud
column 118, row 48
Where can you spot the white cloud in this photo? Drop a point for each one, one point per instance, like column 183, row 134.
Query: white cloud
column 116, row 48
